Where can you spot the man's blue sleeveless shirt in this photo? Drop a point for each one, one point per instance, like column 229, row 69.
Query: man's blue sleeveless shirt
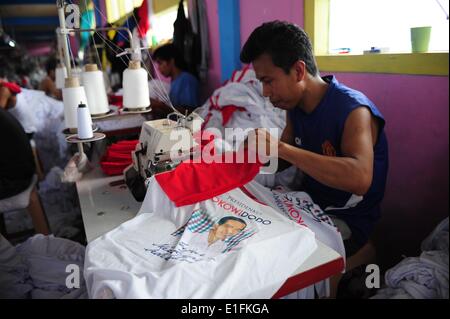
column 321, row 132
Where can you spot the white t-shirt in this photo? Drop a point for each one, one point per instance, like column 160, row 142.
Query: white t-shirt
column 299, row 207
column 158, row 254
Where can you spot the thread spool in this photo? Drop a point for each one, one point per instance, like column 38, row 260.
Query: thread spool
column 84, row 122
column 94, row 86
column 135, row 87
column 73, row 94
column 60, row 76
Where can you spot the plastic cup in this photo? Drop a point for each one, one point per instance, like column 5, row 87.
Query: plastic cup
column 420, row 39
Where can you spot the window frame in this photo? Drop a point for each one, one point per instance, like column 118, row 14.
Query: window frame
column 316, row 13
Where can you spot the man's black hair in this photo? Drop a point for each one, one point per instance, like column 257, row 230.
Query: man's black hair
column 285, row 42
column 169, row 51
column 51, row 64
column 223, row 220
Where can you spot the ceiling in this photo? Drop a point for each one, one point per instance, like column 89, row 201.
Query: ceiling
column 29, row 20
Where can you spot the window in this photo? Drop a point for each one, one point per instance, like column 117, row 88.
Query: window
column 362, row 24
column 162, row 24
column 337, row 24
column 116, row 9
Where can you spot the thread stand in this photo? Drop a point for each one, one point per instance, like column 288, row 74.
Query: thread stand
column 82, row 162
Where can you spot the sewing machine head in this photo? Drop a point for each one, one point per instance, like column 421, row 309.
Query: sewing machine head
column 163, row 144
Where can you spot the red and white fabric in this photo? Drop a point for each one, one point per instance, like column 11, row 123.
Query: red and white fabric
column 154, row 255
column 13, row 87
column 239, row 103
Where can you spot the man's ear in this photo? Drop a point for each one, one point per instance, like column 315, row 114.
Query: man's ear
column 300, row 70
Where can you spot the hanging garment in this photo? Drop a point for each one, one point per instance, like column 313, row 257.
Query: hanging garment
column 250, row 248
column 199, row 22
column 144, row 13
column 186, row 41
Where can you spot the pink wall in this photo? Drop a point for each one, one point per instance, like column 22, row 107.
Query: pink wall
column 255, row 12
column 214, row 72
column 416, row 111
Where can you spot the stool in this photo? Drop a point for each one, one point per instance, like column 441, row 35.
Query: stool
column 30, row 200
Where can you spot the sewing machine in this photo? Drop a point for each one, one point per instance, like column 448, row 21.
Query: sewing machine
column 163, row 144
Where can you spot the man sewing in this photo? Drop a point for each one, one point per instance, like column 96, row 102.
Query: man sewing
column 184, row 87
column 334, row 134
column 17, row 165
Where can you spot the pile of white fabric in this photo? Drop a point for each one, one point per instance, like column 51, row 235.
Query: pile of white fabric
column 423, row 277
column 43, row 116
column 43, row 267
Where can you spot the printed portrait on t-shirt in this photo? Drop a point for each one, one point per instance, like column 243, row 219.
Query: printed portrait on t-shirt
column 204, row 237
column 213, row 236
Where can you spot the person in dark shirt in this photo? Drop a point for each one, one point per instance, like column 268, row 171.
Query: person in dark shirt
column 17, row 165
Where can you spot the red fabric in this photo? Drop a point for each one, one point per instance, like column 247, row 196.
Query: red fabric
column 144, row 21
column 117, row 157
column 228, row 111
column 192, row 182
column 309, row 277
column 13, row 87
column 242, row 73
column 116, row 100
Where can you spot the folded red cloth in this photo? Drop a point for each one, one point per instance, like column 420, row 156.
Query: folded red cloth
column 112, row 168
column 117, row 157
column 113, row 156
column 192, row 182
column 116, row 100
column 122, row 148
